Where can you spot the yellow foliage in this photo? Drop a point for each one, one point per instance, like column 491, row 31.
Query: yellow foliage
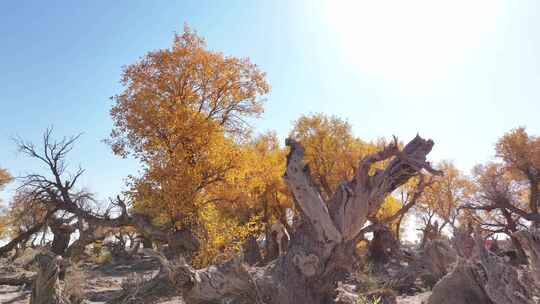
column 182, row 114
column 258, row 186
column 445, row 194
column 331, row 150
column 389, row 207
column 223, row 236
column 23, row 212
column 520, row 153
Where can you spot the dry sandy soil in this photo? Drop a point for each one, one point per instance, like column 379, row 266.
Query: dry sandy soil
column 103, row 283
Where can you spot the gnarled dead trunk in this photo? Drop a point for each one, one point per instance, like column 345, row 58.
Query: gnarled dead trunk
column 464, row 285
column 530, row 242
column 433, row 262
column 463, row 242
column 493, row 281
column 323, row 241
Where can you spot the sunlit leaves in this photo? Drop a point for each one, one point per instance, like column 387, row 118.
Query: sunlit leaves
column 331, row 150
column 389, row 207
column 183, row 114
column 520, row 153
column 445, row 195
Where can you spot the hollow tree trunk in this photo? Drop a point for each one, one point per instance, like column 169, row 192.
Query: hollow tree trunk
column 60, row 243
column 61, row 237
column 321, row 246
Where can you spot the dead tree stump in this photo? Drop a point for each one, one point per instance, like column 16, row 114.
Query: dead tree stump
column 46, row 288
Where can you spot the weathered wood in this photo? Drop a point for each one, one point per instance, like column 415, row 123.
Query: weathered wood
column 530, row 242
column 251, row 251
column 503, row 284
column 61, row 235
column 464, row 285
column 494, row 282
column 434, row 261
column 46, row 288
column 382, row 247
column 307, row 196
column 463, row 242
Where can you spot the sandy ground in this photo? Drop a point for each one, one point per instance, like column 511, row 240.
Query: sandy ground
column 420, row 298
column 105, row 282
column 103, row 286
column 100, row 284
column 13, row 295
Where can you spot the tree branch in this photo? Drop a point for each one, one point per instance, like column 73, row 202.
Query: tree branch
column 306, row 194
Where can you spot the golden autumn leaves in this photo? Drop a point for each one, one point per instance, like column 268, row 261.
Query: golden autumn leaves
column 183, row 114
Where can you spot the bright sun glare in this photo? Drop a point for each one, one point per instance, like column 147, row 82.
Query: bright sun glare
column 410, row 40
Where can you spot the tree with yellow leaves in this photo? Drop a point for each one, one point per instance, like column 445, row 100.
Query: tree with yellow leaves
column 520, row 154
column 332, row 151
column 5, row 178
column 439, row 205
column 506, row 196
column 183, row 115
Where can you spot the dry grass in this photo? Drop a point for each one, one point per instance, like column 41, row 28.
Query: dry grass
column 132, row 285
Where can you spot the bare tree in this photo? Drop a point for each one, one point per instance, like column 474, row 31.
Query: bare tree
column 59, row 193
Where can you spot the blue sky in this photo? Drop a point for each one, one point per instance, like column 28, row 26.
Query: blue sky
column 460, row 72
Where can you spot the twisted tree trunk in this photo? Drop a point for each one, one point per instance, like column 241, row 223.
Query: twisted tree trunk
column 323, row 241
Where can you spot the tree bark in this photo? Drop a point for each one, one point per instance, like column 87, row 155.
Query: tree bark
column 530, row 243
column 464, row 285
column 251, row 250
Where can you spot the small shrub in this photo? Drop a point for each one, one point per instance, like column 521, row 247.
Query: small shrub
column 362, row 299
column 103, row 257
